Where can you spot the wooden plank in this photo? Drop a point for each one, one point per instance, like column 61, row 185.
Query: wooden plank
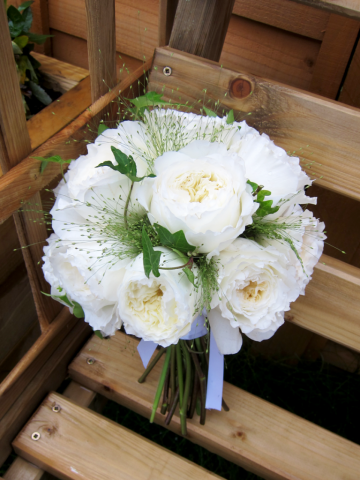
column 200, row 27
column 266, row 51
column 340, row 37
column 100, row 20
column 255, row 434
column 14, row 186
column 47, row 378
column 350, row 93
column 167, row 10
column 10, row 255
column 20, row 469
column 325, row 130
column 114, row 452
column 349, row 8
column 136, row 24
column 285, row 14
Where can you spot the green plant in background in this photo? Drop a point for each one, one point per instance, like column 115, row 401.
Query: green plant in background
column 23, row 43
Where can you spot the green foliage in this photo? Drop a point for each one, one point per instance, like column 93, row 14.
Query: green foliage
column 230, row 117
column 190, row 275
column 77, row 309
column 150, row 99
column 101, row 129
column 98, row 334
column 54, row 159
column 125, row 165
column 265, row 207
column 151, row 257
column 20, row 21
column 176, row 241
column 209, row 112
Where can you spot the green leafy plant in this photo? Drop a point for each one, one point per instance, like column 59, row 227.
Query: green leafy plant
column 23, row 43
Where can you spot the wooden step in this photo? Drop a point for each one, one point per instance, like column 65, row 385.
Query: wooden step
column 255, row 434
column 78, row 443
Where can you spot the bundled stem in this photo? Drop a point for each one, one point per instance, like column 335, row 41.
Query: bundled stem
column 151, row 365
column 161, row 384
column 182, row 410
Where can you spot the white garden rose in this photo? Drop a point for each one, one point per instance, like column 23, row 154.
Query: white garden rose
column 201, row 190
column 87, row 278
column 257, row 285
column 157, row 309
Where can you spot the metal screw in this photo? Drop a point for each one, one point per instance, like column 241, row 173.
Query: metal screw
column 35, row 436
column 167, row 71
column 56, row 408
column 90, row 361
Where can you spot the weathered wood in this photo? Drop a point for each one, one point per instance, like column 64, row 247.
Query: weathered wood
column 114, row 452
column 20, row 469
column 340, row 37
column 14, row 186
column 285, row 14
column 167, row 10
column 100, row 19
column 255, row 434
column 200, row 27
column 324, row 130
column 47, row 378
column 349, row 8
column 269, row 52
column 350, row 93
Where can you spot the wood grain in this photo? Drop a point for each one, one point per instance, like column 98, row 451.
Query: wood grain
column 167, row 10
column 350, row 93
column 285, row 14
column 200, row 27
column 337, row 45
column 69, row 143
column 47, row 378
column 255, row 434
column 349, row 8
column 323, row 129
column 114, row 452
column 10, row 255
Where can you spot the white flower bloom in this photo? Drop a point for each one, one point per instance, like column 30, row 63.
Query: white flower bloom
column 257, row 285
column 201, row 190
column 86, row 278
column 157, row 309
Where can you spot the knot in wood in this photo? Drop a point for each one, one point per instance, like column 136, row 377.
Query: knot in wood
column 240, row 88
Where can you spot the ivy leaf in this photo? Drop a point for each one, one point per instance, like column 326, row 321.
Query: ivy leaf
column 36, row 38
column 98, row 334
column 151, row 257
column 176, row 241
column 102, row 128
column 209, row 112
column 78, row 311
column 230, row 117
column 125, row 165
column 190, row 275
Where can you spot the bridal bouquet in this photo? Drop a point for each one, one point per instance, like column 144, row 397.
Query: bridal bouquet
column 189, row 231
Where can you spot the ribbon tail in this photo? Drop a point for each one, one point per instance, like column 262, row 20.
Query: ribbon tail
column 146, row 350
column 215, row 377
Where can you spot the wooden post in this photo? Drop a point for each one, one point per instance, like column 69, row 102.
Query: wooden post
column 167, row 10
column 200, row 27
column 100, row 19
column 14, row 147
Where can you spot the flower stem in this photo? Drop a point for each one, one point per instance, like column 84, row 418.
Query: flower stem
column 202, row 381
column 151, row 365
column 172, row 373
column 165, row 402
column 190, row 262
column 194, row 397
column 181, row 389
column 188, row 376
column 127, row 206
column 161, row 384
column 172, row 407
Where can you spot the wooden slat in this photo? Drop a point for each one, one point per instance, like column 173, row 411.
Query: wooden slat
column 341, row 34
column 167, row 10
column 255, row 434
column 285, row 14
column 136, row 24
column 14, row 186
column 200, row 27
column 114, row 452
column 47, row 378
column 350, row 93
column 325, row 130
column 10, row 255
column 349, row 8
column 263, row 50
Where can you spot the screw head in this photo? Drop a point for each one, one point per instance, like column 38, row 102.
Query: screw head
column 35, row 436
column 167, row 71
column 90, row 361
column 56, row 408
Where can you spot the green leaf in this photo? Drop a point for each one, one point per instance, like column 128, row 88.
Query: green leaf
column 25, row 5
column 16, row 22
column 230, row 117
column 27, row 19
column 253, row 185
column 181, row 255
column 64, row 298
column 150, row 99
column 102, row 128
column 21, row 41
column 262, row 194
column 40, row 93
column 175, row 240
column 209, row 112
column 266, row 209
column 16, row 49
column 151, row 257
column 39, row 39
column 190, row 275
column 54, row 159
column 99, row 334
column 78, row 311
